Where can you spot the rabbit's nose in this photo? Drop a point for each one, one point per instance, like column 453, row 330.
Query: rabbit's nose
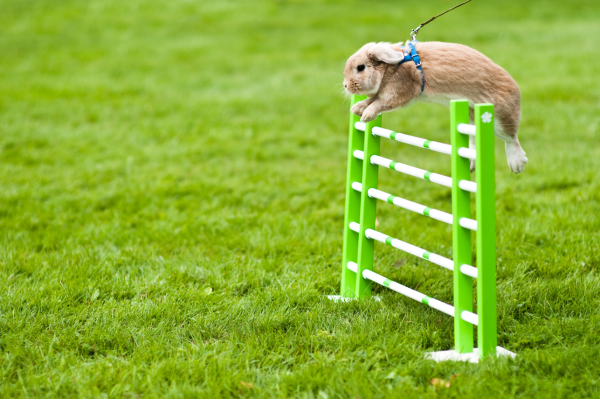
column 346, row 86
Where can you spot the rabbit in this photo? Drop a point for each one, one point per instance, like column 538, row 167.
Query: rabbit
column 450, row 71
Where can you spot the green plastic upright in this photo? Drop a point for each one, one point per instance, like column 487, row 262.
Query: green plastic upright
column 486, row 230
column 352, row 214
column 461, row 237
column 368, row 207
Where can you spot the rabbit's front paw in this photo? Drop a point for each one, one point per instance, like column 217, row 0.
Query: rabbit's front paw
column 359, row 107
column 369, row 115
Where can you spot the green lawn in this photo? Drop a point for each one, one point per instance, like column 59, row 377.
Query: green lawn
column 172, row 198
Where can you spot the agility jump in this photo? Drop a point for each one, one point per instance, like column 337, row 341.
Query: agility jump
column 360, row 235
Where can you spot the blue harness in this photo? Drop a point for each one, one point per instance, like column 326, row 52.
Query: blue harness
column 412, row 55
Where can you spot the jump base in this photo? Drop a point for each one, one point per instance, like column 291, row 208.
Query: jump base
column 451, row 355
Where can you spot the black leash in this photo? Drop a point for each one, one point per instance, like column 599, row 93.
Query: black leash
column 414, row 32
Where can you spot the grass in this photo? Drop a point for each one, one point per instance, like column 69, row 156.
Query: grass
column 171, row 203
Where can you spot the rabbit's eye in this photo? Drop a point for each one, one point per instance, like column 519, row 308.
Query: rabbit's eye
column 361, row 67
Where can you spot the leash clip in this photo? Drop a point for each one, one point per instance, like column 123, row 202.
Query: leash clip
column 413, row 33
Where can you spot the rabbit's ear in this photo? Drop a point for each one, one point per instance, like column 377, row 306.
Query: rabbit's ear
column 383, row 53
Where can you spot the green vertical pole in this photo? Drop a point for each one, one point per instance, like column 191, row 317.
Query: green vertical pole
column 352, row 214
column 368, row 206
column 486, row 230
column 461, row 237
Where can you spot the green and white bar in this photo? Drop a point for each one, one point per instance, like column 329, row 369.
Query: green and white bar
column 407, row 247
column 408, row 292
column 412, row 140
column 417, row 141
column 413, row 294
column 418, row 172
column 416, row 207
column 466, row 129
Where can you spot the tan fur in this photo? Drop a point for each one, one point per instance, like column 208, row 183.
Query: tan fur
column 452, row 71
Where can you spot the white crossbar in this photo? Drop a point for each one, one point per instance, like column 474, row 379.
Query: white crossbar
column 467, row 153
column 413, row 294
column 411, row 249
column 416, row 141
column 412, row 171
column 417, row 172
column 355, row 226
column 468, row 186
column 407, row 247
column 470, row 317
column 359, row 154
column 468, row 270
column 416, row 207
column 412, row 140
column 466, row 129
column 406, row 291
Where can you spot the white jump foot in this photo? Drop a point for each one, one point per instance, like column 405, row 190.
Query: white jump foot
column 337, row 299
column 451, row 355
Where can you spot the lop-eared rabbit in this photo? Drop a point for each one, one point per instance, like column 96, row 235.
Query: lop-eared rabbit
column 451, row 71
